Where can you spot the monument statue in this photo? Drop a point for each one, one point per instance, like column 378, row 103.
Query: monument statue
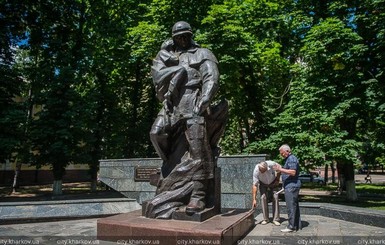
column 187, row 129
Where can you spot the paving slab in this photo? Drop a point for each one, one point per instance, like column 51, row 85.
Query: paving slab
column 316, row 230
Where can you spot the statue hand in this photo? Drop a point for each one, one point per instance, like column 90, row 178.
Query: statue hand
column 167, row 106
column 202, row 105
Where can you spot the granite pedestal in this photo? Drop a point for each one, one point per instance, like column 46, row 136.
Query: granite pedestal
column 133, row 228
column 236, row 178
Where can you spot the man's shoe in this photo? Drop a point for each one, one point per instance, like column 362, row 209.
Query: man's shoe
column 286, row 230
column 276, row 223
column 264, row 222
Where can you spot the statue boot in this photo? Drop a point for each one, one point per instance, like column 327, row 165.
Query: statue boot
column 197, row 201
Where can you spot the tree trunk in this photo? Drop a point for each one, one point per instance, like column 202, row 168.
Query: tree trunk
column 351, row 193
column 94, row 166
column 58, row 171
column 346, row 180
column 16, row 184
column 341, row 177
column 94, row 185
column 94, row 169
column 57, row 187
column 333, row 172
column 326, row 175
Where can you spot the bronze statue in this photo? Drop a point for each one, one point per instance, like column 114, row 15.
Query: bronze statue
column 186, row 131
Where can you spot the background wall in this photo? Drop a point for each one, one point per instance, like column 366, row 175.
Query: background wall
column 236, row 178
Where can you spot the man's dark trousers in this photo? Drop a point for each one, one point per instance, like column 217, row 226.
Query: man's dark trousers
column 291, row 198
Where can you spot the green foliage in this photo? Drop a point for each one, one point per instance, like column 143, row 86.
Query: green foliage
column 306, row 73
column 12, row 107
column 245, row 37
column 320, row 119
column 145, row 38
column 370, row 26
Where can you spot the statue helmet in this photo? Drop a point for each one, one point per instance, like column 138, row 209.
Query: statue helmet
column 181, row 27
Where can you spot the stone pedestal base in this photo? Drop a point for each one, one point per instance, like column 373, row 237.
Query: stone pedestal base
column 132, row 228
column 198, row 217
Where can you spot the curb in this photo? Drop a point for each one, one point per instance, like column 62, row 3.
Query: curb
column 358, row 215
column 39, row 211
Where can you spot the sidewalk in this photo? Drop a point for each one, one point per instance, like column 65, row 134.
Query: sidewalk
column 316, row 230
column 325, row 225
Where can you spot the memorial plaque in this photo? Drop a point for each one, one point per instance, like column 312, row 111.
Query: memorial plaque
column 144, row 173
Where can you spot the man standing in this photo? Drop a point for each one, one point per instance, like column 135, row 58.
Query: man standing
column 266, row 180
column 292, row 185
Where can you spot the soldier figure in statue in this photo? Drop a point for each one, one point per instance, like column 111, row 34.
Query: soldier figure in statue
column 187, row 130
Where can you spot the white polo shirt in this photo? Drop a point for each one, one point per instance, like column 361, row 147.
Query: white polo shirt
column 267, row 177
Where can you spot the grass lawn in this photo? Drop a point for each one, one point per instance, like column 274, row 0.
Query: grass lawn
column 369, row 195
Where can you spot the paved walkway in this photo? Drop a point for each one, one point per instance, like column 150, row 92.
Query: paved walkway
column 316, row 230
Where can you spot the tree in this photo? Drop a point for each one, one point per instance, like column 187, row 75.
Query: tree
column 320, row 120
column 369, row 24
column 55, row 42
column 246, row 38
column 13, row 107
column 306, row 72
